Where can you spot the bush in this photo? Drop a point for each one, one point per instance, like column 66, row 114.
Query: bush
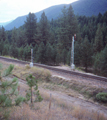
column 101, row 97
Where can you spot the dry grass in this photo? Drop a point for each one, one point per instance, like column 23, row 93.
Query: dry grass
column 39, row 73
column 59, row 109
column 83, row 88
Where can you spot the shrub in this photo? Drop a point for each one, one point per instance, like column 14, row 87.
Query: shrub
column 101, row 97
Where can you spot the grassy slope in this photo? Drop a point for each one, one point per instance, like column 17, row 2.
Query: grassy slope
column 59, row 108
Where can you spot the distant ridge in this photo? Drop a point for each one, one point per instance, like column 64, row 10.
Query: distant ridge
column 81, row 7
column 5, row 23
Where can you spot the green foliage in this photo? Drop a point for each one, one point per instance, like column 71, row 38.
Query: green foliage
column 64, row 56
column 100, row 62
column 8, row 70
column 8, row 91
column 86, row 53
column 101, row 97
column 43, row 32
column 98, row 39
column 32, row 83
column 40, row 55
column 77, row 52
column 31, row 28
column 2, row 34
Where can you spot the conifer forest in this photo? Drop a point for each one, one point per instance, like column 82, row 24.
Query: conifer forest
column 51, row 40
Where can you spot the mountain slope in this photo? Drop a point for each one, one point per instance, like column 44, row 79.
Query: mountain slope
column 89, row 7
column 51, row 12
column 81, row 7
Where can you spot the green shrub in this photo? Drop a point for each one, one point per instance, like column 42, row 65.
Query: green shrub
column 101, row 97
column 8, row 91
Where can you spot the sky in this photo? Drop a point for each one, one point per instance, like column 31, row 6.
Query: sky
column 11, row 9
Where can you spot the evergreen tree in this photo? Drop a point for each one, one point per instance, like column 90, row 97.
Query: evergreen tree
column 98, row 46
column 63, row 40
column 32, row 83
column 64, row 56
column 31, row 28
column 40, row 56
column 86, row 53
column 8, row 91
column 35, row 49
column 48, row 53
column 13, row 51
column 58, row 58
column 2, row 34
column 14, row 36
column 1, row 46
column 68, row 58
column 71, row 23
column 5, row 49
column 27, row 52
column 44, row 29
column 53, row 54
column 21, row 38
column 77, row 52
column 21, row 53
column 100, row 62
column 68, row 26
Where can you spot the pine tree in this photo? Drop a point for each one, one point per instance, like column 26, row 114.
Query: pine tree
column 2, row 34
column 35, row 49
column 32, row 83
column 71, row 23
column 14, row 36
column 98, row 46
column 20, row 53
column 40, row 56
column 8, row 91
column 86, row 53
column 63, row 40
column 58, row 58
column 44, row 29
column 31, row 28
column 64, row 56
column 48, row 53
column 100, row 62
column 77, row 52
column 21, row 38
column 1, row 47
column 68, row 58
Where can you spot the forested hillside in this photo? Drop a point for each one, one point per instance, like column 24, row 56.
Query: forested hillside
column 80, row 7
column 51, row 40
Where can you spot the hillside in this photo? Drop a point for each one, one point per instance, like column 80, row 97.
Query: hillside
column 63, row 99
column 81, row 7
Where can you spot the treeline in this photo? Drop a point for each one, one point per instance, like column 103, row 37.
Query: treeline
column 51, row 40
